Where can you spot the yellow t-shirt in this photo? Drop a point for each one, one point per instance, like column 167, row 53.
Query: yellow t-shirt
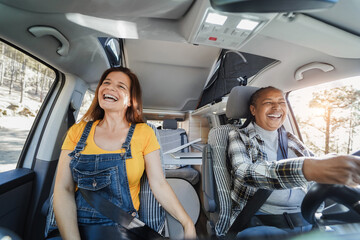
column 143, row 142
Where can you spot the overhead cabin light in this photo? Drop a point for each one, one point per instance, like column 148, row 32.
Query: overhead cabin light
column 215, row 18
column 247, row 24
column 120, row 29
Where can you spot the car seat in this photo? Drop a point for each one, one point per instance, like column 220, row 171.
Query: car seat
column 216, row 178
column 172, row 137
column 184, row 191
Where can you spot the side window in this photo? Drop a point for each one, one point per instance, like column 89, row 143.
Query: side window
column 88, row 98
column 328, row 116
column 24, row 83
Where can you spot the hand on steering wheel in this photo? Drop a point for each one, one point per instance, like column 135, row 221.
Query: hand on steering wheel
column 348, row 196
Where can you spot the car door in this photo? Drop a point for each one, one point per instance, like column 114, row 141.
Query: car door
column 35, row 113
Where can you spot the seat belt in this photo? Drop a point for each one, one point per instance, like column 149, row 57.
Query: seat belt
column 283, row 144
column 71, row 117
column 252, row 206
column 113, row 212
column 261, row 195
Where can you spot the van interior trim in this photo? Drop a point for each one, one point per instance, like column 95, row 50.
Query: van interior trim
column 325, row 67
column 40, row 31
column 15, row 178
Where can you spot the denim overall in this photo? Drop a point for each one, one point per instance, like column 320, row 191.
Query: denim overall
column 150, row 212
column 103, row 173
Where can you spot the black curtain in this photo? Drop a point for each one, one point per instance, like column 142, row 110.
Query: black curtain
column 232, row 71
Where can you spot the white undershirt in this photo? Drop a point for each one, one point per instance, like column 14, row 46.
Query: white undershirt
column 287, row 200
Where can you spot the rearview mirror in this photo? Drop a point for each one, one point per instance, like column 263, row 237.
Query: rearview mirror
column 266, row 6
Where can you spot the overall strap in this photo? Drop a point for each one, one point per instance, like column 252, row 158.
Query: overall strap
column 282, row 152
column 126, row 144
column 82, row 142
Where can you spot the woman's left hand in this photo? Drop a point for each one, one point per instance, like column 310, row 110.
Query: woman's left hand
column 189, row 231
column 165, row 195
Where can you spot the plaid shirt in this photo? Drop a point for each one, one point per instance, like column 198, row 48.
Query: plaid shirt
column 252, row 170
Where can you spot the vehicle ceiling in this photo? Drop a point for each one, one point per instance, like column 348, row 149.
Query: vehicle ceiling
column 160, row 48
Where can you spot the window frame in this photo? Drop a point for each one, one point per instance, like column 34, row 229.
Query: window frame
column 59, row 79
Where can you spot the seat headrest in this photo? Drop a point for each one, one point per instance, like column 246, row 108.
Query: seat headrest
column 237, row 105
column 170, row 124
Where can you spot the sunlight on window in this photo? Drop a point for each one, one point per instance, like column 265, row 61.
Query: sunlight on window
column 329, row 116
column 85, row 105
column 24, row 83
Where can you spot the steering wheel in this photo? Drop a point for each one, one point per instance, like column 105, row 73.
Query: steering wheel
column 349, row 197
column 8, row 234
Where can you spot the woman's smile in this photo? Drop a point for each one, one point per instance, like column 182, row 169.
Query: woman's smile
column 270, row 110
column 114, row 92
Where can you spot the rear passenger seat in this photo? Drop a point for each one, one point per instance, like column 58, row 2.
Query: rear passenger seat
column 184, row 191
column 170, row 138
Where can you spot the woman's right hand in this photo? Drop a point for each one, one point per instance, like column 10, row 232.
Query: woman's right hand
column 64, row 199
column 333, row 169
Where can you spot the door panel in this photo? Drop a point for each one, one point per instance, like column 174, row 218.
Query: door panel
column 15, row 194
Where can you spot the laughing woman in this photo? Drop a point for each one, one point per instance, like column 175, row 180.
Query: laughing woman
column 264, row 156
column 108, row 152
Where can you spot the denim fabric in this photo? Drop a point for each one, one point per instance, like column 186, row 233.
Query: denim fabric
column 269, row 232
column 50, row 218
column 104, row 173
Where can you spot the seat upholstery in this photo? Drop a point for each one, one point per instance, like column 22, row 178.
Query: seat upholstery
column 170, row 138
column 154, row 215
column 187, row 173
column 170, row 124
column 216, row 177
column 183, row 189
column 220, row 206
column 189, row 199
column 150, row 211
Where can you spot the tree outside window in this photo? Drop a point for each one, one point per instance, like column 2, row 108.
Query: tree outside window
column 329, row 116
column 24, row 83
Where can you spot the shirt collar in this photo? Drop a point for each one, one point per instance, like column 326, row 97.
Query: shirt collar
column 251, row 131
